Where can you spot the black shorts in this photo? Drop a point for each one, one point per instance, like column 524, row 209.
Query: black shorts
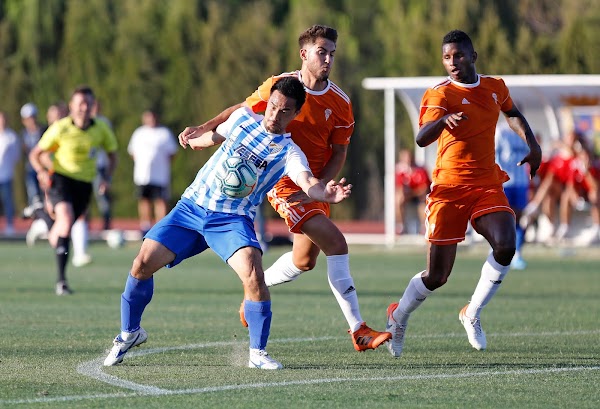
column 75, row 192
column 152, row 192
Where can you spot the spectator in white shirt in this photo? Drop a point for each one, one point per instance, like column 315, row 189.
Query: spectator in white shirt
column 152, row 147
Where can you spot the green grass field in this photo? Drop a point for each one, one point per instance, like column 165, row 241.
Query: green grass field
column 543, row 336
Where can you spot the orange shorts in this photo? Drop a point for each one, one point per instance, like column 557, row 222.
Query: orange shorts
column 294, row 214
column 450, row 208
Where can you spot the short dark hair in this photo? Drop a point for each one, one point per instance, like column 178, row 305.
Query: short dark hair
column 311, row 34
column 291, row 87
column 457, row 37
column 83, row 89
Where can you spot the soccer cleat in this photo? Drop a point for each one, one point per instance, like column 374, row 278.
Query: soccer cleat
column 397, row 330
column 81, row 260
column 120, row 347
column 37, row 230
column 474, row 331
column 63, row 289
column 365, row 338
column 242, row 315
column 261, row 360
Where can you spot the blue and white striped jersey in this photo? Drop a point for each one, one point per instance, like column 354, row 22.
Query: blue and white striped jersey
column 274, row 155
column 510, row 150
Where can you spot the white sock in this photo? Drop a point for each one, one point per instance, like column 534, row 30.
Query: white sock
column 492, row 274
column 79, row 238
column 342, row 286
column 413, row 297
column 282, row 271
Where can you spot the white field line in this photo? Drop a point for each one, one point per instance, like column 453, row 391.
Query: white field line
column 93, row 369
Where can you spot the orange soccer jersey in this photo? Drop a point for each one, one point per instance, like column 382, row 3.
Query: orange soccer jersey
column 466, row 154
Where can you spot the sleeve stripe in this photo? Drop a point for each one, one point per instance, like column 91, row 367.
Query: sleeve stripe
column 286, row 74
column 441, row 84
column 339, row 92
column 346, row 126
column 433, row 106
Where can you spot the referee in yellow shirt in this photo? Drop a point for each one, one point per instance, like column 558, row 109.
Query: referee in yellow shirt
column 74, row 142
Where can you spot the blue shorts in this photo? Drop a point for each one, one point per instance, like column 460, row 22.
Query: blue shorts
column 189, row 229
column 517, row 196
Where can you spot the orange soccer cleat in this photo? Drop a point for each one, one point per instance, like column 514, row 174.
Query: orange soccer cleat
column 365, row 338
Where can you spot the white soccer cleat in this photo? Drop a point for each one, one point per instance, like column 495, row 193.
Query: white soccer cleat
column 261, row 360
column 120, row 347
column 81, row 260
column 396, row 344
column 475, row 333
column 37, row 230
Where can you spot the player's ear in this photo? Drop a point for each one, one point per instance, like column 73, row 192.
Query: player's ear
column 474, row 57
column 303, row 55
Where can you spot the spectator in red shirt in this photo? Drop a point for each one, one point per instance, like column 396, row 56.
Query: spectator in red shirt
column 412, row 186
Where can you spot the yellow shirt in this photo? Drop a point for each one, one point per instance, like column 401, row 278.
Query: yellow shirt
column 75, row 149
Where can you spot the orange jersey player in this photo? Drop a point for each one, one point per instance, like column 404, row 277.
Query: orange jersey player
column 325, row 124
column 322, row 129
column 461, row 114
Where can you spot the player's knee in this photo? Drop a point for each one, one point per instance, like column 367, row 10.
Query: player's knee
column 504, row 254
column 305, row 263
column 140, row 268
column 434, row 281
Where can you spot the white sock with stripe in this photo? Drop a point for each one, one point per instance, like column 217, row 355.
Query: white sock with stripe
column 342, row 286
column 492, row 274
column 413, row 297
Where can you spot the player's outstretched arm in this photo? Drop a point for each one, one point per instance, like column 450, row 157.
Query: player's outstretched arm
column 206, row 140
column 193, row 132
column 332, row 192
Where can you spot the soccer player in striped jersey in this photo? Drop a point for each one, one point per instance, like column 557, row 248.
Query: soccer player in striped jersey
column 206, row 217
column 322, row 130
column 461, row 114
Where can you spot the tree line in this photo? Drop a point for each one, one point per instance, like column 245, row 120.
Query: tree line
column 189, row 59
